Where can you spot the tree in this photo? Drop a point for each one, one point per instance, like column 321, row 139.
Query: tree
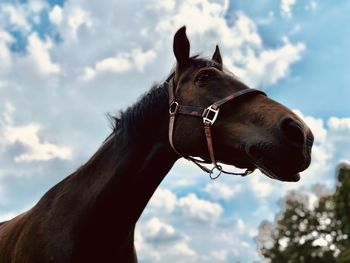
column 309, row 229
column 342, row 210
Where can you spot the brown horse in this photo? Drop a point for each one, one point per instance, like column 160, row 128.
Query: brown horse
column 90, row 216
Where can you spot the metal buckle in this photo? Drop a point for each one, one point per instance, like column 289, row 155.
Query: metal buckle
column 210, row 115
column 174, row 106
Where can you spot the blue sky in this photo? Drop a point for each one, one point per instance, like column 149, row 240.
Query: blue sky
column 65, row 64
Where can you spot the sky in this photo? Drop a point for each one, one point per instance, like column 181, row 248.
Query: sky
column 65, row 64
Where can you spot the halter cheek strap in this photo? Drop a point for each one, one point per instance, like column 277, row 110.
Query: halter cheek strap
column 209, row 116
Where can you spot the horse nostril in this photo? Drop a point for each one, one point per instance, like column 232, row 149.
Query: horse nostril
column 293, row 131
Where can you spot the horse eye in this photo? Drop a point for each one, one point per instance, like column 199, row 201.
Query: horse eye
column 203, row 77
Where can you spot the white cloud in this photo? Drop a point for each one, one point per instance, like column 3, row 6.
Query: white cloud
column 269, row 66
column 5, row 53
column 218, row 190
column 246, row 30
column 141, row 59
column 5, row 37
column 39, row 53
column 286, row 7
column 197, row 14
column 157, row 241
column 55, row 15
column 17, row 16
column 163, row 200
column 88, row 74
column 241, row 44
column 233, row 245
column 184, row 250
column 22, row 16
column 190, row 206
column 261, row 187
column 206, row 20
column 77, row 18
column 244, row 229
column 165, row 5
column 36, row 6
column 121, row 63
column 94, row 41
column 198, row 209
column 311, row 5
column 180, row 251
column 264, row 211
column 28, row 136
column 336, row 123
column 157, row 231
column 179, row 176
column 219, row 255
column 35, row 148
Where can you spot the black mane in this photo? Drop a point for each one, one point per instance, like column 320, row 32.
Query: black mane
column 141, row 115
column 150, row 106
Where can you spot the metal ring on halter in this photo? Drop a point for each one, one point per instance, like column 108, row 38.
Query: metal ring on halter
column 219, row 168
column 174, row 106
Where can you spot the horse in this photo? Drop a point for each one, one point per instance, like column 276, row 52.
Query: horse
column 203, row 113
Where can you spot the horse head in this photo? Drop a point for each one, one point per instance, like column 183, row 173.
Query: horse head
column 251, row 131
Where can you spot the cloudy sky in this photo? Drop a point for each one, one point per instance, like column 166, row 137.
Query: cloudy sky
column 65, row 64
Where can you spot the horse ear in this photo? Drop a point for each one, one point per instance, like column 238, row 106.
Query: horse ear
column 181, row 47
column 217, row 56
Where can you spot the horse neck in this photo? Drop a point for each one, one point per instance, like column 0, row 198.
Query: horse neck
column 101, row 202
column 120, row 200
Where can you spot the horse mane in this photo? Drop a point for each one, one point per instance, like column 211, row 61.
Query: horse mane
column 140, row 116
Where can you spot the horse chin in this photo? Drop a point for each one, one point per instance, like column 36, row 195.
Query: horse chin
column 247, row 161
column 277, row 173
column 282, row 176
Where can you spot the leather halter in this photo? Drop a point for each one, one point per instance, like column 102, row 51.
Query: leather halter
column 209, row 116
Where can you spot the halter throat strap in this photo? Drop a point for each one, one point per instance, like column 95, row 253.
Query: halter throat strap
column 209, row 116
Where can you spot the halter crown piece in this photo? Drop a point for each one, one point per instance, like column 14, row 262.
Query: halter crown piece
column 209, row 116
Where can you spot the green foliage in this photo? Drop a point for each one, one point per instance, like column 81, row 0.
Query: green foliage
column 342, row 200
column 309, row 229
column 344, row 256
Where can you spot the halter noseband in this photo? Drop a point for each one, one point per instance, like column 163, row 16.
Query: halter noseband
column 209, row 116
